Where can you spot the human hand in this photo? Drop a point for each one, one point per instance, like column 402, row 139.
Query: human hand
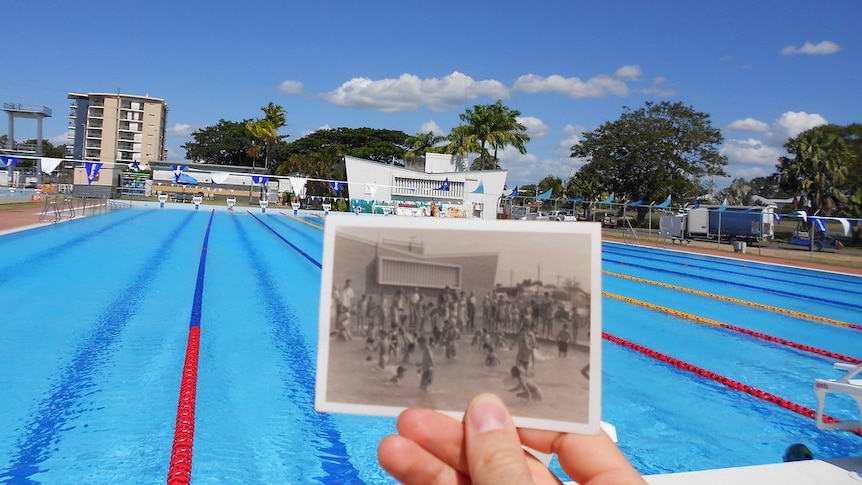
column 487, row 449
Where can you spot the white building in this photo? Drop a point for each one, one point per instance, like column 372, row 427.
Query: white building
column 382, row 188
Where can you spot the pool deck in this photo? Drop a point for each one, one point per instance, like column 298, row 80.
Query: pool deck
column 813, row 472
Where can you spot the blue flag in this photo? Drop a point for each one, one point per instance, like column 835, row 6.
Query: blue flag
column 259, row 179
column 92, row 171
column 336, row 186
column 178, row 170
column 696, row 204
column 514, row 192
column 9, row 161
column 444, row 185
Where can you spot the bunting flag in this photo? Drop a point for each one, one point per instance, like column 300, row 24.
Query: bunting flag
column 298, row 185
column 219, row 177
column 48, row 165
column 801, row 214
column 608, row 200
column 92, row 171
column 134, row 165
column 664, row 204
column 514, row 192
column 696, row 204
column 336, row 186
column 9, row 161
column 480, row 189
column 444, row 186
column 259, row 179
column 777, row 217
column 178, row 170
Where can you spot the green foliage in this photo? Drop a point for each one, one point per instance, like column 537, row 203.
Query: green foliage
column 659, row 149
column 226, row 143
column 552, row 182
column 420, row 143
column 320, row 154
column 489, row 126
column 819, row 168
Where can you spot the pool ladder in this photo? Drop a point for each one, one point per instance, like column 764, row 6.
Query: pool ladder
column 52, row 207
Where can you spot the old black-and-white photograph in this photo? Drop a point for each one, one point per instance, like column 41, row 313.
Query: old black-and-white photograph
column 428, row 313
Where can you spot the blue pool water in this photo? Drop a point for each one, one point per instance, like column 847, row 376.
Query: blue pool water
column 96, row 315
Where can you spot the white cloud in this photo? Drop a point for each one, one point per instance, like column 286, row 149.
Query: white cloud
column 748, row 124
column 408, row 92
column 632, row 72
column 433, row 127
column 62, row 139
column 793, row 123
column 824, row 48
column 290, row 87
column 180, row 129
column 306, row 133
column 574, row 87
column 536, row 128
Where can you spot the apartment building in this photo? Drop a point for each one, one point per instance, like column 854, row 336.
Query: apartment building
column 115, row 127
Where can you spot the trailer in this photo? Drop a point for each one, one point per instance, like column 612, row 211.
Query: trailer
column 732, row 224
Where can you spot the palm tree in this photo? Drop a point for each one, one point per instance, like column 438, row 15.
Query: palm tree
column 493, row 126
column 819, row 167
column 420, row 143
column 266, row 128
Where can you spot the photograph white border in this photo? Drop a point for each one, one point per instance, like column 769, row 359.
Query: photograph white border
column 548, row 230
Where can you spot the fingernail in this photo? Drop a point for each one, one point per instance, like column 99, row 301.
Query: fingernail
column 488, row 414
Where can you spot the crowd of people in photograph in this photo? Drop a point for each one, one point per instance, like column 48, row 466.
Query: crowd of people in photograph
column 407, row 328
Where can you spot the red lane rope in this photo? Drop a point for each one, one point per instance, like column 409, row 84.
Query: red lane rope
column 736, row 385
column 180, row 471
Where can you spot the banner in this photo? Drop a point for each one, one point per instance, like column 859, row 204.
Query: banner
column 259, row 179
column 9, row 161
column 48, row 165
column 92, row 171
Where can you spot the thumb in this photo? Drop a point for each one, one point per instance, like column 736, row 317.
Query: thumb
column 494, row 453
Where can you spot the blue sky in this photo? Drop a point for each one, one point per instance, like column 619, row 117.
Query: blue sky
column 764, row 71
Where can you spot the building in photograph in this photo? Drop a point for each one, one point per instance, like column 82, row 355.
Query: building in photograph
column 442, row 180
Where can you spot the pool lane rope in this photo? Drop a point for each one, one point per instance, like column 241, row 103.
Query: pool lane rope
column 726, row 381
column 793, row 313
column 745, row 331
column 180, row 471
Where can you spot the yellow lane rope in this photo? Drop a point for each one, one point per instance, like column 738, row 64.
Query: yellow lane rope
column 297, row 219
column 761, row 306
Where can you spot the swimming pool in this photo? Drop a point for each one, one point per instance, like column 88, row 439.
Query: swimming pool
column 98, row 311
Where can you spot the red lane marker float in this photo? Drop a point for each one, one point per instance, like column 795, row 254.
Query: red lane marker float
column 736, row 385
column 180, row 471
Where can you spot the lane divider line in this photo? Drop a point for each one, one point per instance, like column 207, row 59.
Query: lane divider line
column 736, row 385
column 745, row 331
column 294, row 246
column 180, row 471
column 806, row 316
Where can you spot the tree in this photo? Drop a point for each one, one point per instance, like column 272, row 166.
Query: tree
column 324, row 150
column 420, row 143
column 225, row 143
column 657, row 150
column 818, row 168
column 493, row 126
column 551, row 182
column 265, row 130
